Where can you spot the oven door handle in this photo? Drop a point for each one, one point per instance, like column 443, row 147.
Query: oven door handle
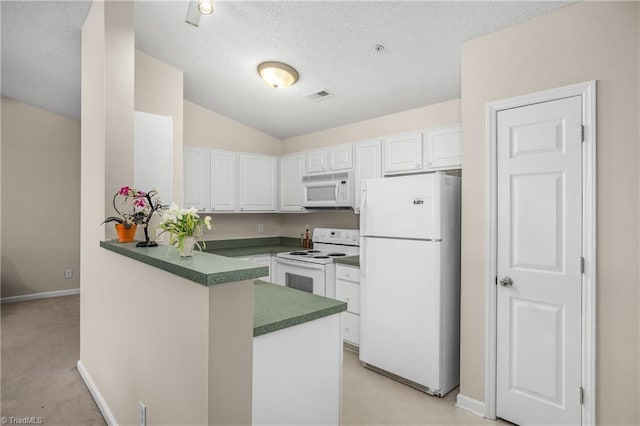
column 299, row 264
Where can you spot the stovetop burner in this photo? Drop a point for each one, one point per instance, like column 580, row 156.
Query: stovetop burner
column 299, row 253
column 321, row 257
column 336, row 254
column 313, row 251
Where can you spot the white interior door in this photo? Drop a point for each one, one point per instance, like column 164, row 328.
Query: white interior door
column 539, row 263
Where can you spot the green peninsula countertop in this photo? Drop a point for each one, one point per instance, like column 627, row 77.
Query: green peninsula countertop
column 203, row 268
column 348, row 260
column 252, row 246
column 277, row 307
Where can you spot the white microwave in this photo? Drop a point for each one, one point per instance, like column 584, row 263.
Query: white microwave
column 328, row 191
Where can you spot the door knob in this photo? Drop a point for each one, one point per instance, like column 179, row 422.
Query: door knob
column 506, row 282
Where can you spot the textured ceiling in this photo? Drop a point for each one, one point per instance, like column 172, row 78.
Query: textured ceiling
column 331, row 44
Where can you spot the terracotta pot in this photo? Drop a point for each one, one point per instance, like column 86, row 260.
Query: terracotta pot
column 126, row 235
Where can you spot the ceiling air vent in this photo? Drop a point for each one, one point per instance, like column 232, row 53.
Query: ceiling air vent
column 322, row 94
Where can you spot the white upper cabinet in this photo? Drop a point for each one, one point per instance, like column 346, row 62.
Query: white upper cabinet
column 326, row 160
column 316, row 161
column 340, row 157
column 196, row 177
column 403, row 153
column 443, row 147
column 223, row 181
column 291, row 170
column 368, row 166
column 257, row 182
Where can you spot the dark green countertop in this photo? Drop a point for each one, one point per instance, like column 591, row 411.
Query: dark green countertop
column 252, row 246
column 348, row 260
column 277, row 307
column 203, row 268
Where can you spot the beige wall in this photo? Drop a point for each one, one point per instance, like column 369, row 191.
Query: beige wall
column 159, row 90
column 203, row 127
column 419, row 118
column 293, row 224
column 586, row 41
column 40, row 200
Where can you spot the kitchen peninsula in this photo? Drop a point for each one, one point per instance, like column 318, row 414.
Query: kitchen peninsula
column 259, row 342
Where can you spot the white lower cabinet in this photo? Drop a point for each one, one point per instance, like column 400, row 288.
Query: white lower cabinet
column 262, row 260
column 348, row 290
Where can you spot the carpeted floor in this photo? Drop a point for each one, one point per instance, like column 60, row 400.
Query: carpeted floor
column 40, row 349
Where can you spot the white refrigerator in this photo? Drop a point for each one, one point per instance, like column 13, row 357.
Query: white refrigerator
column 410, row 280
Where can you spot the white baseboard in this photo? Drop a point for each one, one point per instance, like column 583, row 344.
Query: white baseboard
column 97, row 396
column 34, row 296
column 471, row 405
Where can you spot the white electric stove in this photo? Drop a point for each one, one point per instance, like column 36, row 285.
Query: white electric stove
column 313, row 270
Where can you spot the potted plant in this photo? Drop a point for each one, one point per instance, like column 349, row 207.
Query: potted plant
column 135, row 208
column 185, row 227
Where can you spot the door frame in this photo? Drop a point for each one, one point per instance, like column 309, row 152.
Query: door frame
column 588, row 351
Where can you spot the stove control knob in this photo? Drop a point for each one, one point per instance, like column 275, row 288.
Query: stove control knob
column 355, row 237
column 348, row 235
column 322, row 234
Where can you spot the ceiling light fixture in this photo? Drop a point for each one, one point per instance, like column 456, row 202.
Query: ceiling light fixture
column 277, row 74
column 205, row 7
column 196, row 9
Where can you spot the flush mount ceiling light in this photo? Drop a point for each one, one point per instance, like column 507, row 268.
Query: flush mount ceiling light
column 196, row 9
column 277, row 74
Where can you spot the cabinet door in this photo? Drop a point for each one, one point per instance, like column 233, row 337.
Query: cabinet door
column 223, row 181
column 316, row 161
column 368, row 166
column 351, row 328
column 257, row 182
column 349, row 292
column 341, row 157
column 291, row 168
column 263, row 260
column 196, row 177
column 403, row 153
column 443, row 147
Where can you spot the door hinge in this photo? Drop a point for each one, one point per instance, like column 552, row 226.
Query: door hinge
column 581, row 395
column 581, row 132
column 581, row 265
column 496, row 280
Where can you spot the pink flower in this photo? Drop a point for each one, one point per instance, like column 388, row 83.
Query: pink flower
column 139, row 202
column 124, row 190
column 141, row 194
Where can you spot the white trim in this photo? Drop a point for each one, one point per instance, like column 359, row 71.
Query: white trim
column 588, row 92
column 45, row 295
column 471, row 405
column 97, row 396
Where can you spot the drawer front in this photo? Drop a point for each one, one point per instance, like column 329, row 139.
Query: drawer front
column 351, row 328
column 350, row 293
column 348, row 274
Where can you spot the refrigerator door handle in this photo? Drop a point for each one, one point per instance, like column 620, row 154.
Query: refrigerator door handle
column 363, row 214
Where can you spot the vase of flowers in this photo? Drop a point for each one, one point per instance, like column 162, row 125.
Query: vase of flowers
column 134, row 208
column 185, row 227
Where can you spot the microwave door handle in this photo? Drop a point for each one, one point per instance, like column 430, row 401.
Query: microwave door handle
column 307, row 265
column 336, row 191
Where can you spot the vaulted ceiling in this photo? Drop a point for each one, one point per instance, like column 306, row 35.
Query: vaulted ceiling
column 330, row 43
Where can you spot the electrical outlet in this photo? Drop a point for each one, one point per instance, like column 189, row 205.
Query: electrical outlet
column 68, row 274
column 260, row 228
column 142, row 414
